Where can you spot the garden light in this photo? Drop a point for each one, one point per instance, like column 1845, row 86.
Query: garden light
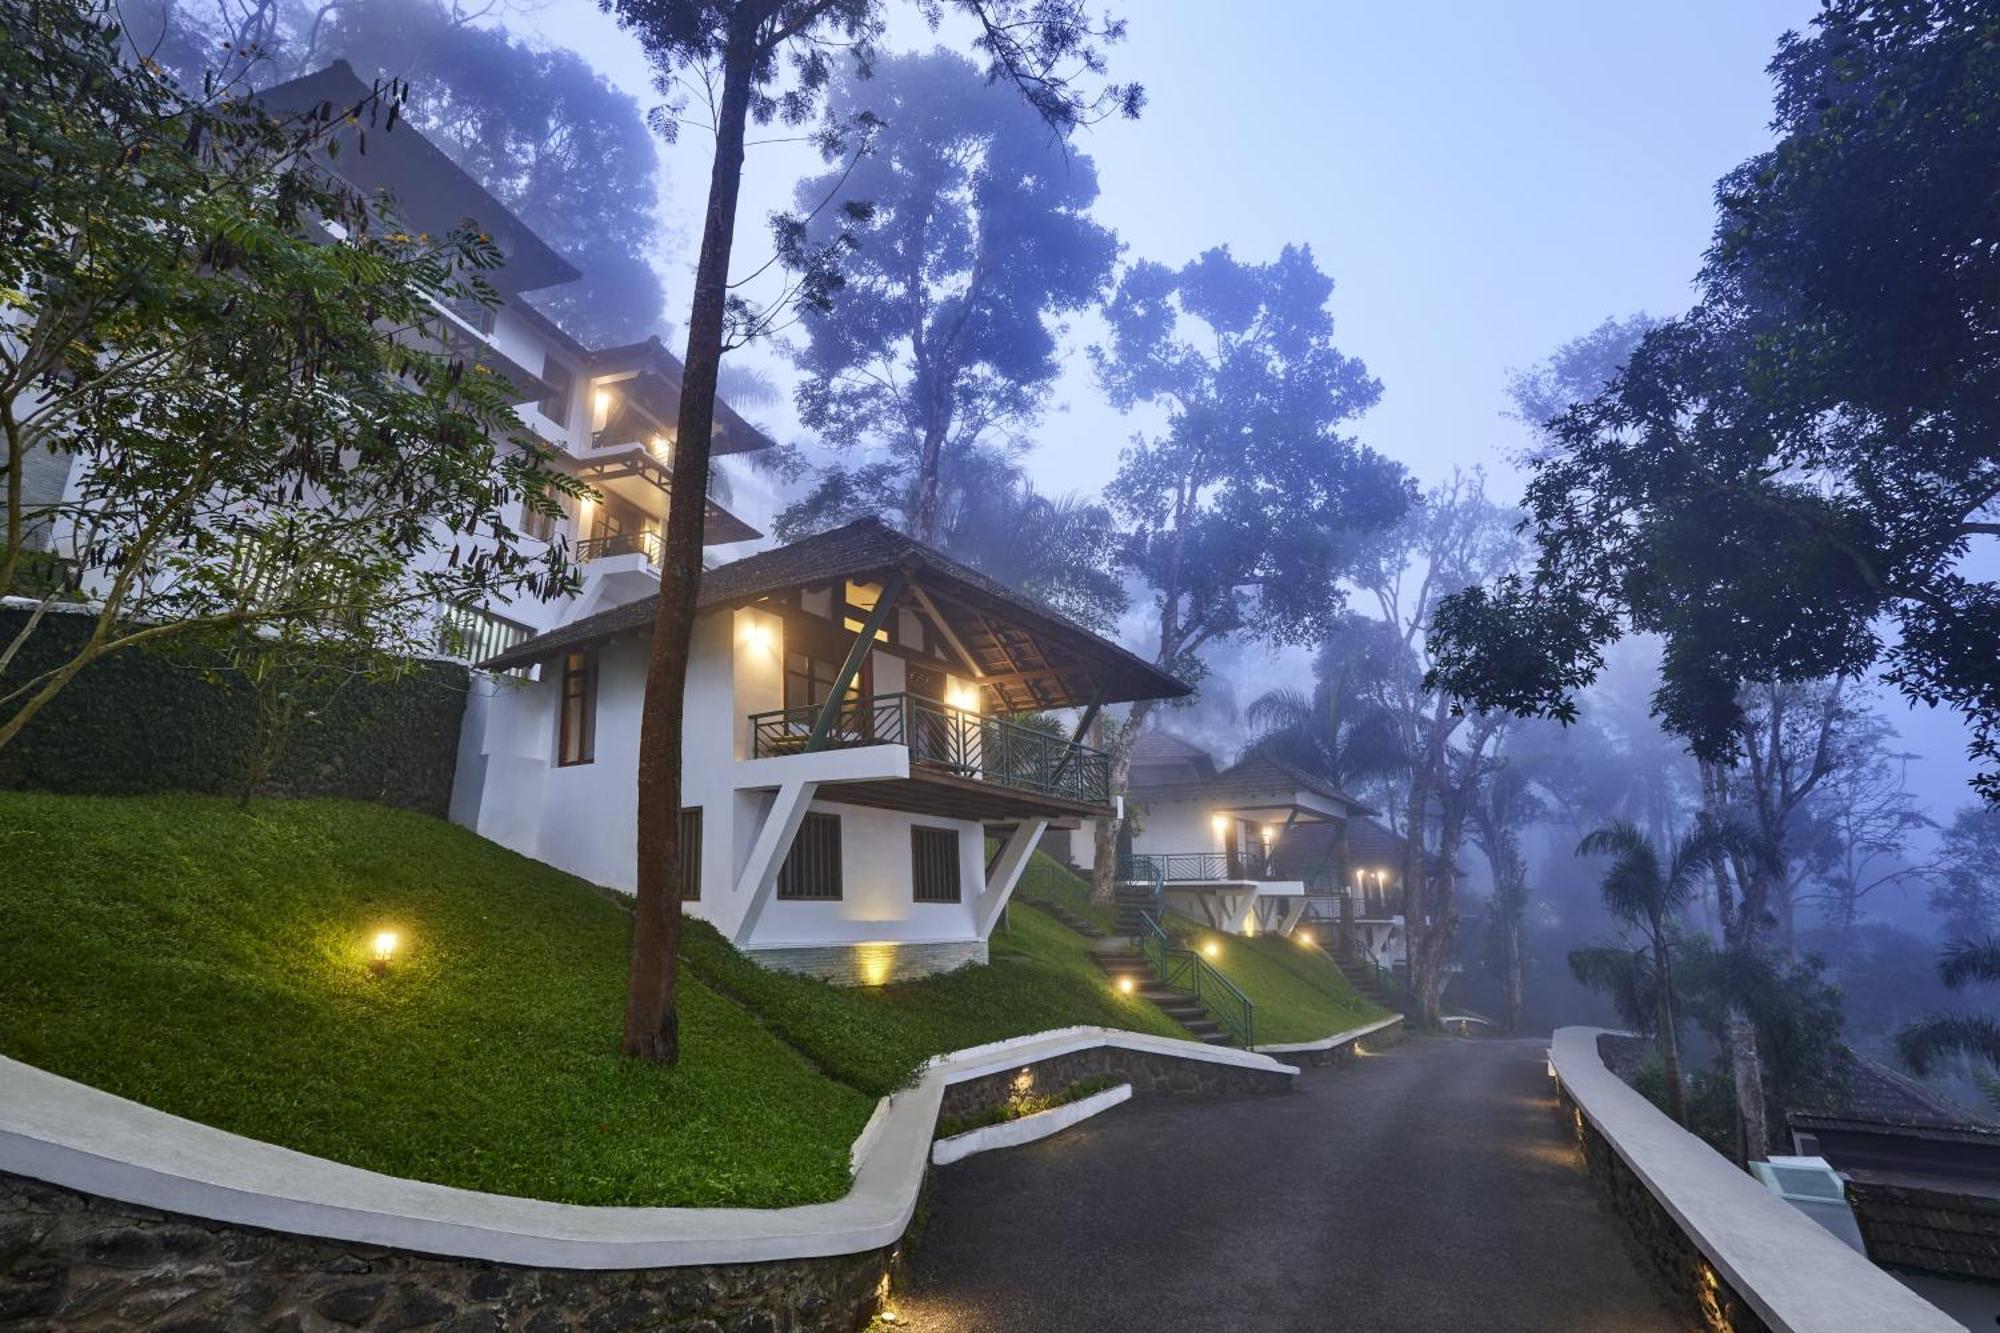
column 1212, row 949
column 1125, row 985
column 385, row 949
column 1305, row 938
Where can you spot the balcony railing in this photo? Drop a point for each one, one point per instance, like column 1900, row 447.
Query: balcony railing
column 1194, row 867
column 642, row 542
column 968, row 745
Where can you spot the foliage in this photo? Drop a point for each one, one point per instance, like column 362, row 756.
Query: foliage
column 268, row 426
column 1967, row 891
column 1249, row 506
column 1795, row 1012
column 184, row 722
column 213, row 963
column 1937, row 1035
column 536, row 126
column 1341, row 731
column 1854, row 831
column 977, row 242
column 1015, row 1107
column 1576, row 372
column 1809, row 452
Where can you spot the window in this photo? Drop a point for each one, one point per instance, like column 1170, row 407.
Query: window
column 576, row 737
column 691, row 854
column 562, row 383
column 812, row 870
column 934, row 864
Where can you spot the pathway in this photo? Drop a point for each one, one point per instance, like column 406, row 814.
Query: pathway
column 1428, row 1187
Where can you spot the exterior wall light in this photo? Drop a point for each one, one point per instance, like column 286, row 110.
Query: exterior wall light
column 757, row 634
column 965, row 698
column 385, row 950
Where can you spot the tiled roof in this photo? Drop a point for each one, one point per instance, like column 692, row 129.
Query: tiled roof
column 864, row 550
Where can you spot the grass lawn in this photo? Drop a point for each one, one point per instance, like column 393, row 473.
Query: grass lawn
column 212, row 962
column 1045, row 882
column 1299, row 995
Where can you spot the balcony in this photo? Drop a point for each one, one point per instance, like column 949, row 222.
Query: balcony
column 648, row 544
column 1194, row 867
column 949, row 747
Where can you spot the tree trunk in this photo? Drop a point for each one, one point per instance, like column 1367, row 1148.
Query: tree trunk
column 1511, row 981
column 1104, row 858
column 1670, row 1041
column 652, row 1025
column 1746, row 1066
column 924, row 519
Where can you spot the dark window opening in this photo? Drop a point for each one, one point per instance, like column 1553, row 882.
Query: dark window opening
column 934, row 864
column 691, row 854
column 562, row 384
column 812, row 869
column 576, row 737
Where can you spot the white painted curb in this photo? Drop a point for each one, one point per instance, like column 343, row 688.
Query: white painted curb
column 1346, row 1038
column 1027, row 1128
column 1796, row 1275
column 65, row 1133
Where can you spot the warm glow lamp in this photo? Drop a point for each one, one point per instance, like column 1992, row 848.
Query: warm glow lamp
column 1125, row 985
column 385, row 949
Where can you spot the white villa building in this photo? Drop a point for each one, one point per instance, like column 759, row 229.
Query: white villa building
column 864, row 716
column 852, row 743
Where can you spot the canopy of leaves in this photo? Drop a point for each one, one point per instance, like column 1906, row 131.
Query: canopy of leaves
column 1811, row 450
column 1250, row 504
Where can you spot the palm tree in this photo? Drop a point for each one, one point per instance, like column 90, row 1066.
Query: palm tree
column 1339, row 730
column 1649, row 897
column 1935, row 1036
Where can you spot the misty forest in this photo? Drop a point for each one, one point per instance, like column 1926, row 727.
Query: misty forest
column 1645, row 586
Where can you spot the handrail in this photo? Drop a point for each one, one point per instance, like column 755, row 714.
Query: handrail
column 955, row 740
column 642, row 542
column 1184, row 969
column 1196, row 867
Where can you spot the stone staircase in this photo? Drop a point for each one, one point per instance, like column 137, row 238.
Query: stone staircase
column 1132, row 900
column 1122, row 961
column 1361, row 974
column 1079, row 924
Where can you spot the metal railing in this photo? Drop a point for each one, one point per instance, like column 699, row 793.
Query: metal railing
column 1186, row 867
column 1184, row 969
column 648, row 544
column 965, row 744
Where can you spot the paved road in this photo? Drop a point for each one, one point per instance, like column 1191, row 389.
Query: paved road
column 1430, row 1187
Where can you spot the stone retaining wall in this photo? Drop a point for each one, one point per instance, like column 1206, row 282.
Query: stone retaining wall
column 1344, row 1053
column 84, row 1264
column 872, row 964
column 1679, row 1267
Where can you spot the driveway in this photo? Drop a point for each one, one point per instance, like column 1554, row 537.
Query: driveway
column 1429, row 1187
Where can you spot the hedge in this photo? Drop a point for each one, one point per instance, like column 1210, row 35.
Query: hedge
column 139, row 722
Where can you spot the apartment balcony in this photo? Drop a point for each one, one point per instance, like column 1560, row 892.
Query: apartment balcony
column 1172, row 868
column 649, row 546
column 961, row 763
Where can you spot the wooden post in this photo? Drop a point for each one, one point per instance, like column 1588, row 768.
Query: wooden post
column 877, row 618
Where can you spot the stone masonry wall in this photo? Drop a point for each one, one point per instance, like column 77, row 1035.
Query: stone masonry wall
column 873, row 964
column 83, row 1264
column 1676, row 1262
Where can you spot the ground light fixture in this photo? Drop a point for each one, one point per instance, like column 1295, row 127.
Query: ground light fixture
column 1125, row 985
column 384, row 950
column 1212, row 949
column 1305, row 937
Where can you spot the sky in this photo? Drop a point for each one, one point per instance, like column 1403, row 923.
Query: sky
column 1482, row 181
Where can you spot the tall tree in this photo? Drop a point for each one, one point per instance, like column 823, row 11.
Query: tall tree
column 1506, row 803
column 1456, row 538
column 1854, row 833
column 762, row 60
column 977, row 244
column 540, row 129
column 1249, row 505
column 268, row 430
